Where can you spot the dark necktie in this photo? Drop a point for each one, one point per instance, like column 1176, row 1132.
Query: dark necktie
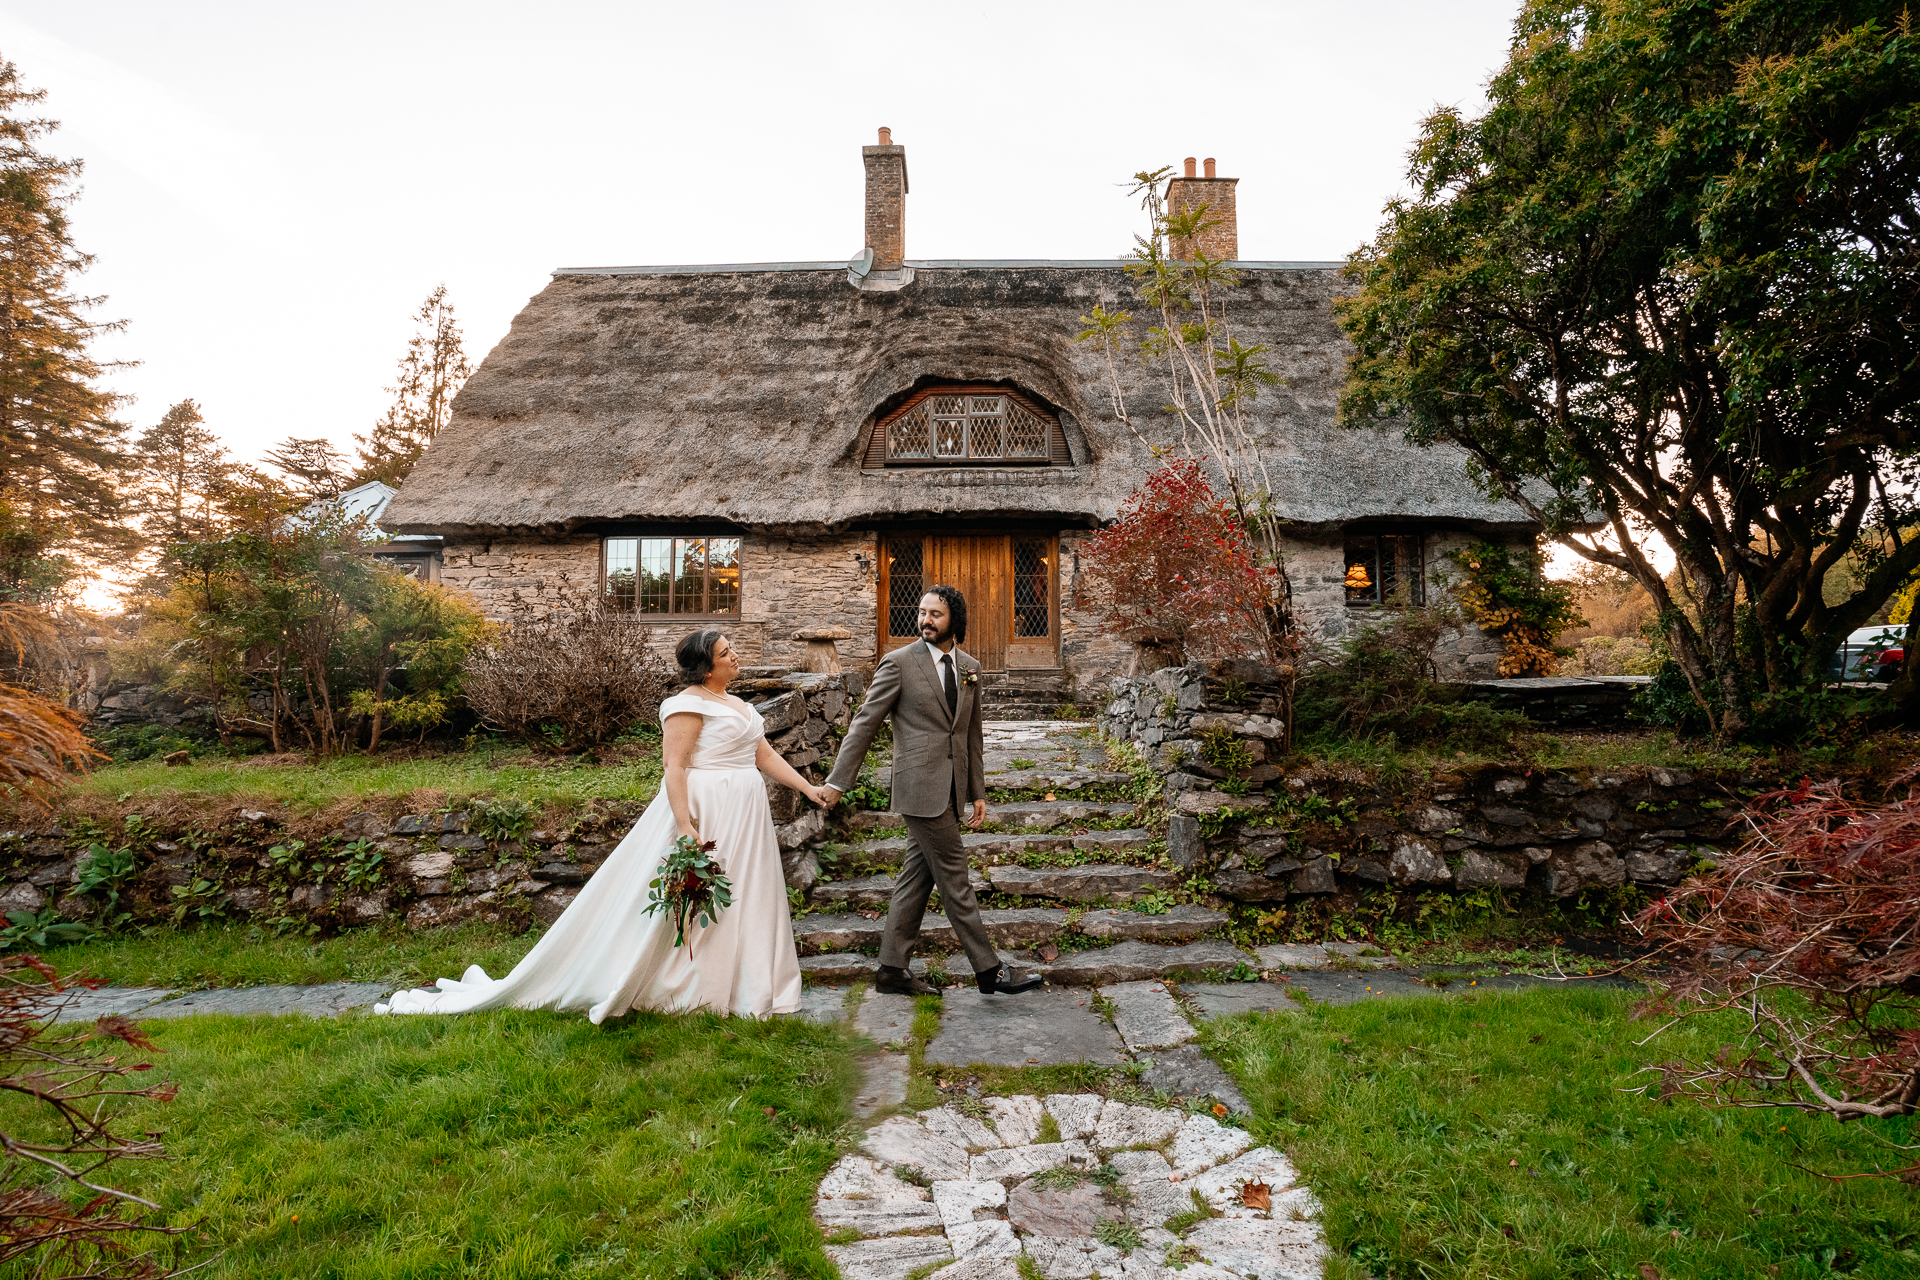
column 946, row 678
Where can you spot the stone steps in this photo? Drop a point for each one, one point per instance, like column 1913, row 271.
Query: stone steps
column 1030, row 815
column 1054, row 780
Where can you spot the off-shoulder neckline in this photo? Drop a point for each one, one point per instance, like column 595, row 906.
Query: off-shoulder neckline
column 704, row 703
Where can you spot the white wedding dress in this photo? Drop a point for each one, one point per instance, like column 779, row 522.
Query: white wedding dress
column 606, row 955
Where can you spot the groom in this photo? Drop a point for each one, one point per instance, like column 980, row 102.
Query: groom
column 932, row 690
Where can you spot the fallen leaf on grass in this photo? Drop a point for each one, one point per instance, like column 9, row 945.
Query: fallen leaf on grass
column 1219, row 1109
column 1649, row 1272
column 1256, row 1195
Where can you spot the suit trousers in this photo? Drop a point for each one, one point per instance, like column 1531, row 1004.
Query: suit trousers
column 936, row 858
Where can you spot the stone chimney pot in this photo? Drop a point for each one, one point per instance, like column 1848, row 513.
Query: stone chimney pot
column 1208, row 162
column 1189, row 166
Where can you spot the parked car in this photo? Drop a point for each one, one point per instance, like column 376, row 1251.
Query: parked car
column 1870, row 653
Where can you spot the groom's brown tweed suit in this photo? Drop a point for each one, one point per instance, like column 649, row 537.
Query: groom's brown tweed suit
column 939, row 764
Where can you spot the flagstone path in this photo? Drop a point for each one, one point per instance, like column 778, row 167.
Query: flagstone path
column 973, row 1188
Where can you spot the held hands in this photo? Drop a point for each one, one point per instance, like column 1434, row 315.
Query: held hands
column 824, row 796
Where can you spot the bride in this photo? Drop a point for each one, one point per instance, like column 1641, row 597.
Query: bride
column 605, row 954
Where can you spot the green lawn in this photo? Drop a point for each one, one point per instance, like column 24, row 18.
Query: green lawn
column 238, row 955
column 501, row 773
column 495, row 1146
column 1489, row 1135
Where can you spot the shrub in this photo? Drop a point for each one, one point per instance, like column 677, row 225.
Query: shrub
column 1178, row 572
column 1380, row 681
column 1668, row 701
column 1611, row 656
column 1806, row 934
column 573, row 679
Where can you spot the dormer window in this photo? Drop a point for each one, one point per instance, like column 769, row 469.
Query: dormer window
column 964, row 426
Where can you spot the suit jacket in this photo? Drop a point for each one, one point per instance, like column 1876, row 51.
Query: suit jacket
column 937, row 754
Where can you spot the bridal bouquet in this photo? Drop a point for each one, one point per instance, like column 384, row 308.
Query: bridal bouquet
column 690, row 886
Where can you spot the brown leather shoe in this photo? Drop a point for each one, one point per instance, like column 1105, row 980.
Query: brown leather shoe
column 898, row 982
column 1006, row 980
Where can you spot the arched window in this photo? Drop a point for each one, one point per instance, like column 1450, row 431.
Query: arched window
column 961, row 426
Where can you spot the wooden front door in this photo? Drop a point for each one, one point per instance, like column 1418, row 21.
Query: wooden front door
column 978, row 566
column 1008, row 579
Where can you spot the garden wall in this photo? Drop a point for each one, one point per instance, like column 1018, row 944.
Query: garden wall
column 1266, row 835
column 290, row 870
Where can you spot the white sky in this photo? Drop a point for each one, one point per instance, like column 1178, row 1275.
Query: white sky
column 272, row 189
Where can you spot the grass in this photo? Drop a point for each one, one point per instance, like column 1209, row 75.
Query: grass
column 495, row 1146
column 1490, row 1135
column 503, row 773
column 235, row 955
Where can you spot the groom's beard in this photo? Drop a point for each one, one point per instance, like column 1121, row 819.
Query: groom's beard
column 934, row 636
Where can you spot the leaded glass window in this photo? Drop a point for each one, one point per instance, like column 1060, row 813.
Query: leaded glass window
column 904, row 559
column 958, row 427
column 1032, row 589
column 698, row 576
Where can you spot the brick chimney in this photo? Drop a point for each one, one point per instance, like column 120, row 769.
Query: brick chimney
column 1183, row 193
column 886, row 202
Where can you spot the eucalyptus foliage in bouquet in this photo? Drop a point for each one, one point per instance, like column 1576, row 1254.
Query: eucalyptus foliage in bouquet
column 690, row 886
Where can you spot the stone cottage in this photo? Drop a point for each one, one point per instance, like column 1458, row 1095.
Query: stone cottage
column 792, row 447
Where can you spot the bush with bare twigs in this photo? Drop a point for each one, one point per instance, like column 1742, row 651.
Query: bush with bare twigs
column 56, row 1210
column 1810, row 935
column 567, row 681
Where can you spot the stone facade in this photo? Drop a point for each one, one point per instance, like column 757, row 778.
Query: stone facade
column 786, row 584
column 1317, row 566
column 828, row 580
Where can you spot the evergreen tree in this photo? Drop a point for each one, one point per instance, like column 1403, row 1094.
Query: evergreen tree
column 184, row 469
column 431, row 374
column 62, row 461
column 320, row 468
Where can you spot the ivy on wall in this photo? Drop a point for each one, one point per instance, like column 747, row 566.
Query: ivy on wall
column 1508, row 597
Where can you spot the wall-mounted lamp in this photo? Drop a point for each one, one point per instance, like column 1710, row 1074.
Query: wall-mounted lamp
column 861, row 559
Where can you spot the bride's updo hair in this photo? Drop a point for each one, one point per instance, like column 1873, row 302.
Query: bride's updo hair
column 695, row 655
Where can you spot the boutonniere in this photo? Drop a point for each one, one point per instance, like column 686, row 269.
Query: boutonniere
column 969, row 677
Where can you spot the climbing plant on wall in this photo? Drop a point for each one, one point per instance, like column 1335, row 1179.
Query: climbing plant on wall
column 1509, row 598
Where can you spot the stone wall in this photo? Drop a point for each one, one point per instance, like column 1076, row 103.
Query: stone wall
column 433, row 868
column 1264, row 834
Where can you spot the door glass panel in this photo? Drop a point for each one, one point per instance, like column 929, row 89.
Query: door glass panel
column 903, row 587
column 1032, row 588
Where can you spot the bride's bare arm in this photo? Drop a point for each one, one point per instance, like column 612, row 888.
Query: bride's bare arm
column 678, row 737
column 769, row 761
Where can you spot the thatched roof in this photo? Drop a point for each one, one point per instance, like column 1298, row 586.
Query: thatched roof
column 746, row 395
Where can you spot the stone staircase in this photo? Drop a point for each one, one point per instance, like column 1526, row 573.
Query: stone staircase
column 1060, row 882
column 1025, row 695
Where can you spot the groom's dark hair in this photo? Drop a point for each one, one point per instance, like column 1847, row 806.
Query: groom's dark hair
column 956, row 610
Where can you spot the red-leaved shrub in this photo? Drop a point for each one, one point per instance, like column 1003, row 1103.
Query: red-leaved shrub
column 1810, row 933
column 1178, row 572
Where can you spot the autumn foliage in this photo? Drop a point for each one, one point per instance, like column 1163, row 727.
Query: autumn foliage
column 1808, row 935
column 1178, row 572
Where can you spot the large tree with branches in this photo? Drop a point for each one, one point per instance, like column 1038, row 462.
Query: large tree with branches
column 1668, row 279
